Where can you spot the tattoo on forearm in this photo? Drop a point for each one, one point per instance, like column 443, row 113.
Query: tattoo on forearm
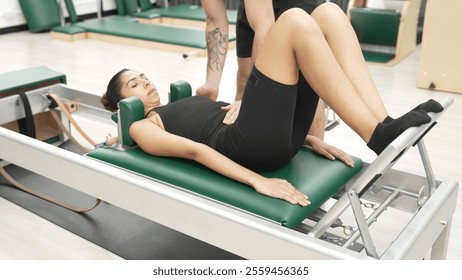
column 216, row 47
column 209, row 20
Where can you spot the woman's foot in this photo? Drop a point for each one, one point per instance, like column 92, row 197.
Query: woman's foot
column 385, row 133
column 429, row 106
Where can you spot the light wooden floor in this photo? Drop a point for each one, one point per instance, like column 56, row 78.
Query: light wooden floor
column 89, row 64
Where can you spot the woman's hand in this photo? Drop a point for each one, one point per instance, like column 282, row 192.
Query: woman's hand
column 330, row 152
column 232, row 112
column 279, row 188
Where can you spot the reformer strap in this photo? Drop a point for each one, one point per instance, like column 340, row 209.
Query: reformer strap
column 20, row 186
column 27, row 124
column 55, row 116
column 63, row 107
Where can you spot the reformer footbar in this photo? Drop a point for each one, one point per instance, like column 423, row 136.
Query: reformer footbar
column 376, row 170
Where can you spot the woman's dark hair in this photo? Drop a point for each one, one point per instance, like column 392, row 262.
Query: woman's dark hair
column 113, row 94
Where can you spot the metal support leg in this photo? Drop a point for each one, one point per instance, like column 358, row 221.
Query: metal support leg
column 373, row 217
column 330, row 123
column 362, row 225
column 99, row 8
column 428, row 167
column 440, row 247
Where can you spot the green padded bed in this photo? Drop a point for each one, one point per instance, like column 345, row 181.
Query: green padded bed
column 130, row 29
column 155, row 33
column 187, row 12
column 311, row 173
column 314, row 175
column 376, row 27
column 25, row 79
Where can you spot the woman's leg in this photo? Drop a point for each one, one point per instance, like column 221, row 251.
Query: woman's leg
column 344, row 44
column 297, row 43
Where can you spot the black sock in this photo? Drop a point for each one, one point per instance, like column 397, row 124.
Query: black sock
column 385, row 133
column 429, row 106
column 388, row 119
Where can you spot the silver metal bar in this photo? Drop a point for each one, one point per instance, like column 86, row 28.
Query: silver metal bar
column 440, row 246
column 361, row 222
column 429, row 226
column 373, row 217
column 99, row 8
column 382, row 163
column 428, row 167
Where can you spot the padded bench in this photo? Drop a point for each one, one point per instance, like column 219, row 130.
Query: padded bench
column 376, row 27
column 127, row 31
column 186, row 15
column 311, row 173
column 388, row 34
column 29, row 78
column 40, row 125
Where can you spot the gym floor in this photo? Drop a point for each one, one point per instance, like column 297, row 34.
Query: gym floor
column 89, row 64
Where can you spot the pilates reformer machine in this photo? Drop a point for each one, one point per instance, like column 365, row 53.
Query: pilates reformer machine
column 165, row 32
column 387, row 34
column 189, row 198
column 138, row 23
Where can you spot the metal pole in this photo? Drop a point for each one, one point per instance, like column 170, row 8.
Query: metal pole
column 61, row 14
column 99, row 8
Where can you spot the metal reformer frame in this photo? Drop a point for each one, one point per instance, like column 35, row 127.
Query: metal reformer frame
column 432, row 201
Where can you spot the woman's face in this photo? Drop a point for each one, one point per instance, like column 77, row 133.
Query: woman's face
column 137, row 84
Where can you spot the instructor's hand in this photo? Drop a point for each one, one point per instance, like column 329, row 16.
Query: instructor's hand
column 232, row 112
column 207, row 91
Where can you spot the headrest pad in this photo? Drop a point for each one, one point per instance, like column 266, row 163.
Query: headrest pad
column 131, row 109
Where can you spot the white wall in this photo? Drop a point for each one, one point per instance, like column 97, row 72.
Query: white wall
column 389, row 4
column 11, row 13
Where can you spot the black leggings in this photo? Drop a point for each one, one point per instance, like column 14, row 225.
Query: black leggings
column 273, row 122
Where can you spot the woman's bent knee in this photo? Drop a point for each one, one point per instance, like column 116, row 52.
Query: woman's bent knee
column 297, row 20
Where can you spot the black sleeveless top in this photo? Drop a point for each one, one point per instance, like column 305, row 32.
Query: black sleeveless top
column 195, row 118
column 272, row 124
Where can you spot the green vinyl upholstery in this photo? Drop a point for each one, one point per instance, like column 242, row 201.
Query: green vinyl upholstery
column 309, row 172
column 40, row 15
column 155, row 33
column 29, row 78
column 377, row 27
column 182, row 11
column 71, row 11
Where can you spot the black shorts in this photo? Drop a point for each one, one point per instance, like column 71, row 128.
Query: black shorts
column 273, row 122
column 245, row 34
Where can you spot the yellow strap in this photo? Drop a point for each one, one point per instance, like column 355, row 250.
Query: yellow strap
column 71, row 119
column 20, row 186
column 55, row 116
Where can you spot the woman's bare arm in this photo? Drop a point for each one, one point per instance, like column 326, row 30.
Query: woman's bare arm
column 154, row 140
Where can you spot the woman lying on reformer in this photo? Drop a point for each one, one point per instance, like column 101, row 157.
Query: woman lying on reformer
column 274, row 120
